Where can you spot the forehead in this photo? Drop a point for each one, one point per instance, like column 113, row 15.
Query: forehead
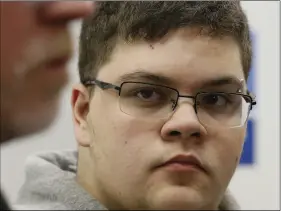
column 184, row 57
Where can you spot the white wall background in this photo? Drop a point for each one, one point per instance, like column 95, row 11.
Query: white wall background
column 256, row 187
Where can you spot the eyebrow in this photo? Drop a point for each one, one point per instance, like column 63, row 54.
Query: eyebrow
column 221, row 81
column 141, row 75
column 144, row 76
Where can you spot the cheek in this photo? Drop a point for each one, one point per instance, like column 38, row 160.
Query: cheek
column 125, row 138
column 225, row 149
column 125, row 147
column 135, row 138
column 130, row 143
column 122, row 129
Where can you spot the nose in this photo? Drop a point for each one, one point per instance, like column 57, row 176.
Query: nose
column 182, row 125
column 65, row 11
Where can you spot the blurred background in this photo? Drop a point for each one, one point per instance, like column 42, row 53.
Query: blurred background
column 256, row 184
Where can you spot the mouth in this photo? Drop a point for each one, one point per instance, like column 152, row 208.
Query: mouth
column 183, row 163
column 48, row 54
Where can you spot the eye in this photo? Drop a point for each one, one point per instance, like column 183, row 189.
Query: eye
column 148, row 94
column 214, row 99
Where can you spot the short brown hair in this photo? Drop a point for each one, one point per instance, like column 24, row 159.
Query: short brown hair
column 152, row 20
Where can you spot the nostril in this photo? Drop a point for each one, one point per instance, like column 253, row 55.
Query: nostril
column 174, row 133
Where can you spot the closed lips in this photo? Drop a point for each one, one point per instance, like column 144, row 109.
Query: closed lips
column 188, row 160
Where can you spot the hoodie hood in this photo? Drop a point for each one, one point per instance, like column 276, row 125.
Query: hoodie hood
column 50, row 184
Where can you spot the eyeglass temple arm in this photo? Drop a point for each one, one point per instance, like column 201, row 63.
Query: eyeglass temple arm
column 101, row 84
column 254, row 102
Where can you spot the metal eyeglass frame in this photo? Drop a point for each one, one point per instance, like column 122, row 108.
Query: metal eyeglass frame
column 250, row 98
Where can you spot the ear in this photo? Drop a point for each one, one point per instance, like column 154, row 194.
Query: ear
column 80, row 101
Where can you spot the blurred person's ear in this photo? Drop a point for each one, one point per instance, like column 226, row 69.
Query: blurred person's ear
column 80, row 101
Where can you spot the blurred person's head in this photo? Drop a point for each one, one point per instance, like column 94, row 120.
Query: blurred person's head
column 35, row 47
column 160, row 114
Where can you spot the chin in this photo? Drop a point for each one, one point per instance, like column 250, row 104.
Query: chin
column 179, row 198
column 27, row 123
column 34, row 126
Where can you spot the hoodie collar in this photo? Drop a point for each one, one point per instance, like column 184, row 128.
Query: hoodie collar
column 51, row 183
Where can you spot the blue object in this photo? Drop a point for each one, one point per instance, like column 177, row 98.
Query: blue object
column 248, row 155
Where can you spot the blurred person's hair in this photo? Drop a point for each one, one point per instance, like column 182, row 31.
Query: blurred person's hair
column 152, row 20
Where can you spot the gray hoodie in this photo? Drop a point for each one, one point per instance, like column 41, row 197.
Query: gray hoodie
column 51, row 185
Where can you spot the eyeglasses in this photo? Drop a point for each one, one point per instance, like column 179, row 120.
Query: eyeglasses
column 147, row 100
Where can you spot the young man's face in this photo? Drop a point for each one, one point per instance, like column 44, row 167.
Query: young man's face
column 124, row 147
